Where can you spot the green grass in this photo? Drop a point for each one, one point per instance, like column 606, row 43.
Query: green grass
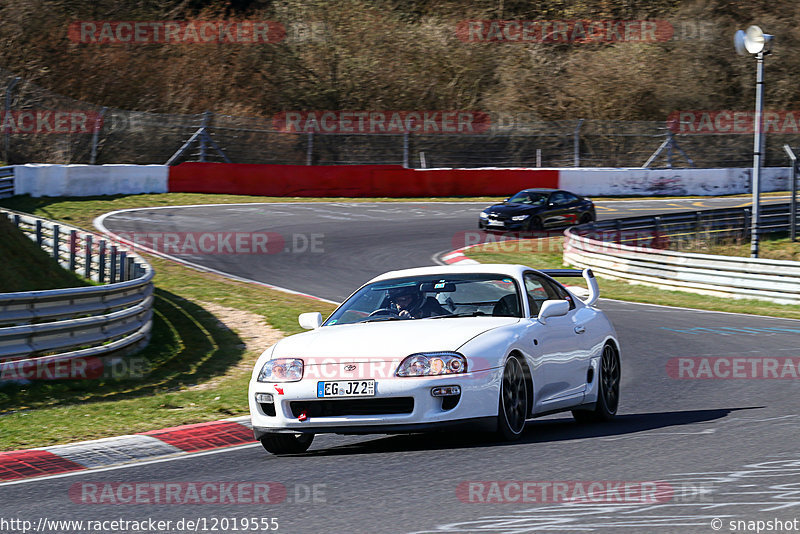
column 771, row 246
column 546, row 254
column 26, row 267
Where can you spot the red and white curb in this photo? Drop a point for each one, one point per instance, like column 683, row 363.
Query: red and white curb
column 58, row 459
column 457, row 256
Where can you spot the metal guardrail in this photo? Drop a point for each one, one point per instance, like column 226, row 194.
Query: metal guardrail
column 93, row 321
column 635, row 249
column 6, row 182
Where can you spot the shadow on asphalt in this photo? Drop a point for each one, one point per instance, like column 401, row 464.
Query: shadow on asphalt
column 541, row 431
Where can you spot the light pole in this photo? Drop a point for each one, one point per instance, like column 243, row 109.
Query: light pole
column 755, row 41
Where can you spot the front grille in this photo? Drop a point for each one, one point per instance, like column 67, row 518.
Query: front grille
column 340, row 407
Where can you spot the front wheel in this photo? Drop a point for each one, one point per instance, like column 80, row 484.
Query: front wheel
column 586, row 218
column 286, row 443
column 513, row 404
column 608, row 393
column 535, row 224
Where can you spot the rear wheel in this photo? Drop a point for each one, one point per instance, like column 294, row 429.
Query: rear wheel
column 513, row 404
column 286, row 443
column 608, row 393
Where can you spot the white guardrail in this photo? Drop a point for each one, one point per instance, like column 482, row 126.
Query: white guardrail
column 600, row 247
column 6, row 182
column 113, row 318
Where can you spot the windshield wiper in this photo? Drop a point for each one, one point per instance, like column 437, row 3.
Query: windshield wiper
column 462, row 314
column 382, row 318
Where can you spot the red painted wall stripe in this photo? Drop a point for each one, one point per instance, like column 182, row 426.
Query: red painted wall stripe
column 204, row 436
column 15, row 465
column 353, row 180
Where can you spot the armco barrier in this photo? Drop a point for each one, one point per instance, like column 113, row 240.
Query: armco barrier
column 630, row 249
column 44, row 327
column 6, row 182
column 353, row 180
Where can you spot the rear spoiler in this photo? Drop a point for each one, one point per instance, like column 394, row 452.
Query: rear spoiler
column 587, row 274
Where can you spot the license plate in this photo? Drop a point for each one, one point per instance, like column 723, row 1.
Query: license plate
column 496, row 223
column 346, row 388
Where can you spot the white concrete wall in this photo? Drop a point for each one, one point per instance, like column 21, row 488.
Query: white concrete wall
column 44, row 180
column 666, row 182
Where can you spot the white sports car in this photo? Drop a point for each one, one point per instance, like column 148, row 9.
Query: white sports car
column 488, row 346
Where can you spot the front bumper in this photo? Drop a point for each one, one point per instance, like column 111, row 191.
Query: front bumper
column 483, row 224
column 477, row 404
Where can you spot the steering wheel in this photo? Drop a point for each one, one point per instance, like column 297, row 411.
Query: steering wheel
column 384, row 311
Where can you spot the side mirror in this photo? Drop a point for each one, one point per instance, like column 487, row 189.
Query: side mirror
column 310, row 321
column 553, row 308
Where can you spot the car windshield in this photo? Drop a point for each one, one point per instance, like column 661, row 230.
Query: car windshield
column 438, row 296
column 529, row 198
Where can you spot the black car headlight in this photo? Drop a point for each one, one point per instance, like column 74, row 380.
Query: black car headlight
column 484, row 215
column 519, row 217
column 432, row 364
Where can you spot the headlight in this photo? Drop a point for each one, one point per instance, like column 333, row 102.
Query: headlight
column 519, row 217
column 484, row 215
column 432, row 364
column 281, row 370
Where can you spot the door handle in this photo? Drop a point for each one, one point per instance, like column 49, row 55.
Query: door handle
column 580, row 329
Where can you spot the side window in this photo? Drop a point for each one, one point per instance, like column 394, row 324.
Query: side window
column 539, row 289
column 562, row 294
column 559, row 198
column 569, row 198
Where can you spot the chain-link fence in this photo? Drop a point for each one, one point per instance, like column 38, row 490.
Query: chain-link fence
column 41, row 126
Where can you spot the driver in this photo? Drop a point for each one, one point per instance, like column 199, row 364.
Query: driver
column 412, row 304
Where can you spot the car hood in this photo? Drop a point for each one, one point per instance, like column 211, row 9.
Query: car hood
column 512, row 209
column 388, row 340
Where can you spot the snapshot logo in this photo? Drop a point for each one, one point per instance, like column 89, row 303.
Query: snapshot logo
column 176, row 32
column 80, row 368
column 382, row 122
column 220, row 243
column 733, row 368
column 732, row 122
column 564, row 31
column 575, row 491
column 50, row 122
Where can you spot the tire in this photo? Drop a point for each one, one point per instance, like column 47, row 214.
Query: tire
column 586, row 218
column 286, row 443
column 512, row 407
column 608, row 393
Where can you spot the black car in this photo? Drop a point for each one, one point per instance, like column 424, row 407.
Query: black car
column 536, row 209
